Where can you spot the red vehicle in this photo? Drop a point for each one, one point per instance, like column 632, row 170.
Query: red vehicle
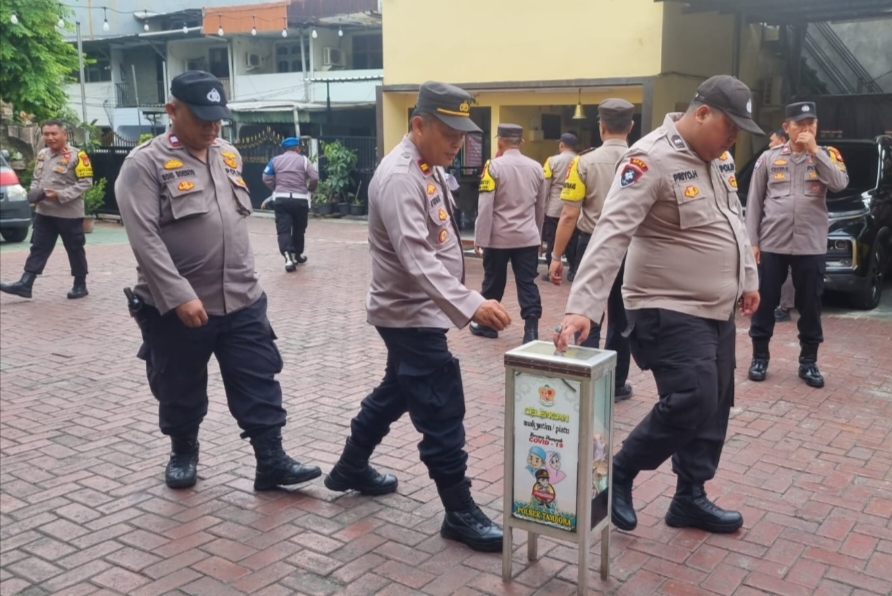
column 15, row 211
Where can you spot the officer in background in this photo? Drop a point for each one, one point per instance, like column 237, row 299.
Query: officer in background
column 788, row 294
column 584, row 191
column 291, row 177
column 184, row 205
column 416, row 294
column 674, row 206
column 62, row 176
column 510, row 213
column 555, row 171
column 777, row 138
column 786, row 218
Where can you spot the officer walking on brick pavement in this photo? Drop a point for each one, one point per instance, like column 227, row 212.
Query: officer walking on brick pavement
column 416, row 294
column 555, row 170
column 62, row 176
column 787, row 222
column 184, row 206
column 291, row 177
column 674, row 206
column 585, row 188
column 510, row 214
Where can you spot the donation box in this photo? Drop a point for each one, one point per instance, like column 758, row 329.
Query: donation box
column 558, row 446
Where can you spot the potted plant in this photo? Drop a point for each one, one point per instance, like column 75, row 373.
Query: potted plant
column 356, row 206
column 339, row 164
column 94, row 200
column 322, row 202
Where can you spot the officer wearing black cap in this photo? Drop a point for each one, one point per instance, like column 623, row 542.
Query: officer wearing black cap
column 416, row 294
column 673, row 212
column 555, row 170
column 291, row 177
column 786, row 218
column 184, row 206
column 510, row 214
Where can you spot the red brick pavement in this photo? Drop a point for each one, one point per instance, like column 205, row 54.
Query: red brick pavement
column 84, row 510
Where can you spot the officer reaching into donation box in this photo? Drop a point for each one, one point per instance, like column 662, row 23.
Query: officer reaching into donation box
column 184, row 206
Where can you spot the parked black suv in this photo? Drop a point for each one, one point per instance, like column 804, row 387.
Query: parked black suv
column 859, row 245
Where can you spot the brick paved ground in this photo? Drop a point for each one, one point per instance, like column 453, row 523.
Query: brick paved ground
column 85, row 510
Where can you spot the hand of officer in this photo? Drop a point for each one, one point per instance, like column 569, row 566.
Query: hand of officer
column 807, row 140
column 50, row 194
column 569, row 327
column 749, row 302
column 478, row 250
column 556, row 271
column 192, row 313
column 492, row 314
column 758, row 255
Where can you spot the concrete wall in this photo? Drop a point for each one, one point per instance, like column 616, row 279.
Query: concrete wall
column 698, row 44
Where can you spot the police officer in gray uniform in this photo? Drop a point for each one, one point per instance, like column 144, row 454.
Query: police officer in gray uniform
column 555, row 171
column 416, row 294
column 510, row 214
column 184, row 206
column 292, row 177
column 786, row 218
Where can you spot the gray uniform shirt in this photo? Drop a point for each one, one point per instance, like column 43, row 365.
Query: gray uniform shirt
column 417, row 258
column 511, row 205
column 680, row 218
column 70, row 174
column 588, row 180
column 186, row 222
column 786, row 207
column 290, row 172
column 555, row 171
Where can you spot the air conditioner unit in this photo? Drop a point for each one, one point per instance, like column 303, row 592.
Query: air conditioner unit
column 772, row 91
column 333, row 57
column 252, row 60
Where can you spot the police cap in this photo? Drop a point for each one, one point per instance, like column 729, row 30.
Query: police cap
column 731, row 96
column 569, row 140
column 203, row 93
column 506, row 130
column 800, row 111
column 448, row 103
column 290, row 142
column 616, row 109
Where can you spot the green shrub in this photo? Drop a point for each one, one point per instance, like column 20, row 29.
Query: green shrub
column 94, row 199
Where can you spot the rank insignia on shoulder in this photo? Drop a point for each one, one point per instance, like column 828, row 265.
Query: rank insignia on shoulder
column 173, row 164
column 733, row 181
column 725, row 156
column 785, row 150
column 691, row 192
column 431, row 189
column 442, row 215
column 677, row 141
column 174, row 141
column 444, row 234
column 424, row 167
column 629, row 175
column 640, row 163
column 185, row 185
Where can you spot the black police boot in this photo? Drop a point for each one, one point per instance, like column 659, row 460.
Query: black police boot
column 761, row 356
column 354, row 472
column 79, row 289
column 484, row 331
column 289, row 262
column 298, row 259
column 622, row 393
column 623, row 511
column 182, row 469
column 531, row 329
column 808, row 366
column 691, row 509
column 465, row 522
column 274, row 467
column 20, row 288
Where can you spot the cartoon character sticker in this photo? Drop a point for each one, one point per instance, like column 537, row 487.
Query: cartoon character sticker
column 543, row 492
column 535, row 460
column 553, row 465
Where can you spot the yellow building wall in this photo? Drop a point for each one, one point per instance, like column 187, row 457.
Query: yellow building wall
column 699, row 44
column 519, row 40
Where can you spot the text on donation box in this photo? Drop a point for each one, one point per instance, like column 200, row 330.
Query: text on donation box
column 546, row 435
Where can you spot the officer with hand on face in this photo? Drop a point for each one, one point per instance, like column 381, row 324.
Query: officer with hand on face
column 786, row 217
column 510, row 214
column 674, row 206
column 184, row 206
column 555, row 170
column 416, row 294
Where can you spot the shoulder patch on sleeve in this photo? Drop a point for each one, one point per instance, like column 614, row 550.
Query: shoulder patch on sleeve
column 83, row 169
column 574, row 188
column 835, row 157
column 269, row 170
column 546, row 169
column 631, row 173
column 487, row 182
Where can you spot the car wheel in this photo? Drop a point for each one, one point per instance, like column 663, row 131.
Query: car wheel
column 14, row 234
column 869, row 297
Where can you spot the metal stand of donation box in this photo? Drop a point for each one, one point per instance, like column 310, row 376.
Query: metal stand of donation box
column 558, row 446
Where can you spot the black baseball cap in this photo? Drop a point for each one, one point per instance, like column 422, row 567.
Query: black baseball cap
column 569, row 139
column 203, row 93
column 731, row 96
column 800, row 111
column 451, row 105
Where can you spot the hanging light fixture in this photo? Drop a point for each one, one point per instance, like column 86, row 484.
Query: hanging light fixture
column 145, row 27
column 579, row 113
column 146, row 15
column 220, row 28
column 340, row 32
column 314, row 35
column 105, row 26
column 284, row 27
column 254, row 26
column 185, row 29
column 61, row 23
column 14, row 19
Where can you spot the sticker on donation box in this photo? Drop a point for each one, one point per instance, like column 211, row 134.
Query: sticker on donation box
column 600, row 449
column 546, row 431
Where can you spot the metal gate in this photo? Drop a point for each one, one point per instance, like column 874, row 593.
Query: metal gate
column 256, row 151
column 107, row 161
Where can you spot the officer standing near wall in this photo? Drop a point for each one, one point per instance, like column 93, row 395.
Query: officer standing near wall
column 292, row 177
column 555, row 171
column 184, row 205
column 62, row 175
column 674, row 206
column 787, row 222
column 510, row 214
column 416, row 294
column 585, row 189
